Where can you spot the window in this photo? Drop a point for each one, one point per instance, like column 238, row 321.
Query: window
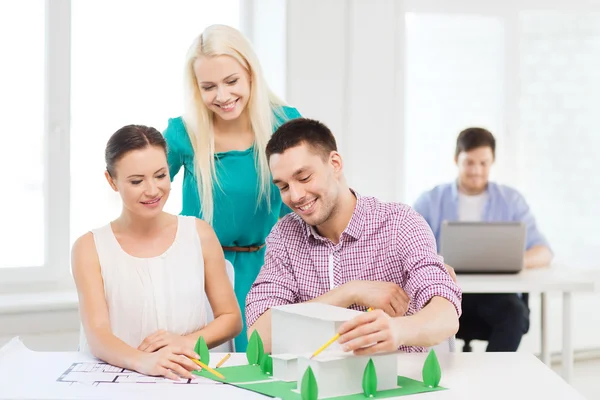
column 127, row 68
column 67, row 88
column 22, row 153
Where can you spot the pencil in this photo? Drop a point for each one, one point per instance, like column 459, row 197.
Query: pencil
column 333, row 339
column 223, row 360
column 206, row 367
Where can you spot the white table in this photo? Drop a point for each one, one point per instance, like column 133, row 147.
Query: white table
column 467, row 376
column 503, row 376
column 544, row 281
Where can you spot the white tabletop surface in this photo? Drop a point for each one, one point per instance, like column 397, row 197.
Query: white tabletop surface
column 546, row 279
column 467, row 376
column 508, row 376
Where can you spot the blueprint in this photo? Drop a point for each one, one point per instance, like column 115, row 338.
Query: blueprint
column 98, row 373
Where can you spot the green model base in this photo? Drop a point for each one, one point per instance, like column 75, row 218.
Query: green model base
column 251, row 377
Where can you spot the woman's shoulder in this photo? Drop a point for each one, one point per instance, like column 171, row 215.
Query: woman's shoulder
column 283, row 114
column 84, row 252
column 84, row 242
column 176, row 134
column 88, row 241
column 291, row 112
column 195, row 225
column 175, row 125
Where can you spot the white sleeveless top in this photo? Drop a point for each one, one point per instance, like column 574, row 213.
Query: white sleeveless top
column 144, row 295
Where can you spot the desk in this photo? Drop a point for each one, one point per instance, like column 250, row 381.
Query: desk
column 542, row 280
column 503, row 376
column 468, row 376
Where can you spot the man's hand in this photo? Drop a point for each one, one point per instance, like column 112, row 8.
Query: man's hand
column 451, row 272
column 368, row 333
column 386, row 296
column 160, row 339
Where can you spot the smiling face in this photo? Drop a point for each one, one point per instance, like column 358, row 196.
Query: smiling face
column 224, row 85
column 142, row 179
column 309, row 182
column 474, row 169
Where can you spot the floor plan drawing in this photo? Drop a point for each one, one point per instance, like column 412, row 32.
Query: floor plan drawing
column 94, row 374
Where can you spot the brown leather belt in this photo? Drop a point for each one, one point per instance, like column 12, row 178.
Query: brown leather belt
column 246, row 249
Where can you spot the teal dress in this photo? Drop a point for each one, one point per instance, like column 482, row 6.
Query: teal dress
column 237, row 220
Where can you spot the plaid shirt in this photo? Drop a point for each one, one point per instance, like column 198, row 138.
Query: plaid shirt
column 383, row 242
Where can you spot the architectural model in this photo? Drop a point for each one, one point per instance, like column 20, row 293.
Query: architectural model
column 298, row 330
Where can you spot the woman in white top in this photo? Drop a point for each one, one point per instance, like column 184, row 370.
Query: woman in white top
column 142, row 279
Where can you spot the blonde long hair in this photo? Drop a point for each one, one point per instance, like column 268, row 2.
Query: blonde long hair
column 217, row 40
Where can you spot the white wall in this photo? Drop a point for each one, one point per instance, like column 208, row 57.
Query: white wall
column 344, row 67
column 43, row 330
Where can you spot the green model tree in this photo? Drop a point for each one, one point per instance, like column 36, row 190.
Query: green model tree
column 255, row 349
column 369, row 382
column 202, row 350
column 266, row 364
column 308, row 388
column 432, row 372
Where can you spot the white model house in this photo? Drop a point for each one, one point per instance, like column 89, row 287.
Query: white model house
column 298, row 330
column 303, row 328
column 285, row 367
column 343, row 374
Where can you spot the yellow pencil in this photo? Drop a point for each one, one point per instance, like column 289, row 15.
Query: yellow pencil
column 333, row 339
column 206, row 367
column 223, row 361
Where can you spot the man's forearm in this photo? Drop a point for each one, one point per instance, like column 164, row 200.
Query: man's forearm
column 538, row 256
column 436, row 322
column 341, row 296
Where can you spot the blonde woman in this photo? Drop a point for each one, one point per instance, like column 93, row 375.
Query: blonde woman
column 220, row 141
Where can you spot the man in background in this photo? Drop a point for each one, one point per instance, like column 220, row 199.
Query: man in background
column 472, row 197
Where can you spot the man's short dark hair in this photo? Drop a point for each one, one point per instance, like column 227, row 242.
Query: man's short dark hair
column 473, row 138
column 302, row 130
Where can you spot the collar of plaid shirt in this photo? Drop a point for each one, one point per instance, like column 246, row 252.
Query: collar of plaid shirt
column 354, row 228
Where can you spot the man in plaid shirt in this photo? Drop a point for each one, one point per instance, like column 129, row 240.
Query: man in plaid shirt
column 343, row 249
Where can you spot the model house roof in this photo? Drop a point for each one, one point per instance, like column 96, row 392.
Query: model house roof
column 320, row 311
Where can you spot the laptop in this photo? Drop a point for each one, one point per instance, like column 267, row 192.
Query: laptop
column 483, row 247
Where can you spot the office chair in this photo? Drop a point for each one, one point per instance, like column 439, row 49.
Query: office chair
column 477, row 330
column 447, row 346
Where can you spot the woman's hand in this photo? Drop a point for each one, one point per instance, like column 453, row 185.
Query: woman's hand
column 170, row 362
column 160, row 339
